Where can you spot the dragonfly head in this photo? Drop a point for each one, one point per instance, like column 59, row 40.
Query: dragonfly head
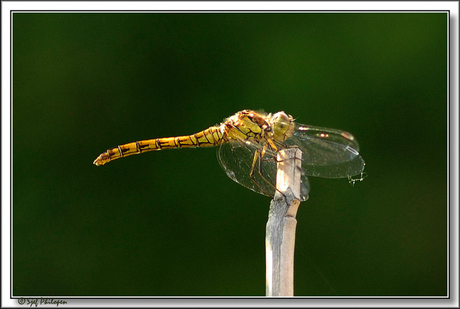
column 282, row 125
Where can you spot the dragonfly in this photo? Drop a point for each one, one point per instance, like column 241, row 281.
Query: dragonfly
column 248, row 143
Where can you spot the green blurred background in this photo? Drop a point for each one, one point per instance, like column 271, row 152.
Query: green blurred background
column 171, row 223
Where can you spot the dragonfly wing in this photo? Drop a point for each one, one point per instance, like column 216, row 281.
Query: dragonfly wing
column 236, row 158
column 327, row 153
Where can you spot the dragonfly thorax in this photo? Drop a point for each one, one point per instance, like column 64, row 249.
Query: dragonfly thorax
column 247, row 125
column 258, row 127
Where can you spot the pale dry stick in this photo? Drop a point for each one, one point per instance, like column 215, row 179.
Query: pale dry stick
column 281, row 225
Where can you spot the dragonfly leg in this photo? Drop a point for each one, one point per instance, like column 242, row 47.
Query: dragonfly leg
column 276, row 146
column 259, row 156
column 252, row 173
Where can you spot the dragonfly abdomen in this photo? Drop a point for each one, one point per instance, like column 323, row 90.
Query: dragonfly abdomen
column 210, row 137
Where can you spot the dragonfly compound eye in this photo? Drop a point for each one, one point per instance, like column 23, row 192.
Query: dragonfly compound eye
column 282, row 126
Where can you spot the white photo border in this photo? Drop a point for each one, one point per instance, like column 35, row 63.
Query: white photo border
column 9, row 7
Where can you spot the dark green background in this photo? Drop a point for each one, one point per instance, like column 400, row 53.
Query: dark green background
column 171, row 222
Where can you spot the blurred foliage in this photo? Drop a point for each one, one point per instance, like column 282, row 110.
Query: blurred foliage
column 171, row 223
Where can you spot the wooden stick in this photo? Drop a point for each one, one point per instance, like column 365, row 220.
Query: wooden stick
column 281, row 225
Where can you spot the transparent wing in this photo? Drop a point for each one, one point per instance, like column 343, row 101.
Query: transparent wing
column 327, row 153
column 236, row 158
